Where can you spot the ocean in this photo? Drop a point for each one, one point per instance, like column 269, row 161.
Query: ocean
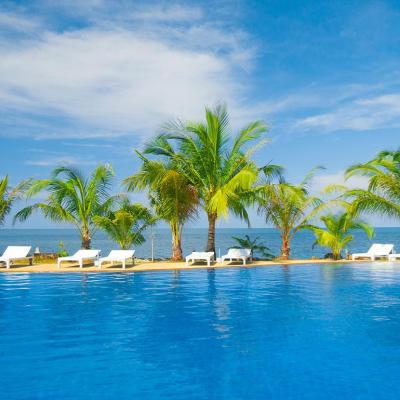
column 47, row 240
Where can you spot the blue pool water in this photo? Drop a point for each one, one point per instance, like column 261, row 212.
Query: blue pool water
column 298, row 332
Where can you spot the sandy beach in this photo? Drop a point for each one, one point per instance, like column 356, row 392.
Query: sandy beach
column 141, row 266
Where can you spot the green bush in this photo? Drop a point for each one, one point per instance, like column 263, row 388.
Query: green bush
column 62, row 251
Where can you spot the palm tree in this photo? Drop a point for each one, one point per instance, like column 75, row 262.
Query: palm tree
column 126, row 225
column 383, row 193
column 214, row 163
column 254, row 245
column 9, row 195
column 336, row 234
column 73, row 198
column 287, row 206
column 171, row 195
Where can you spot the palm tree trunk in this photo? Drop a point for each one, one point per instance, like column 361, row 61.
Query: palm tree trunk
column 86, row 239
column 285, row 249
column 176, row 243
column 212, row 217
column 337, row 255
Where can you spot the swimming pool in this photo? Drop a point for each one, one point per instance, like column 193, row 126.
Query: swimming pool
column 297, row 332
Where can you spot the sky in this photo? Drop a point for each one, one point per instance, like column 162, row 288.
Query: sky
column 86, row 82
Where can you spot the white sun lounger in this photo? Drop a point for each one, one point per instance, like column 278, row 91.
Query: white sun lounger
column 200, row 256
column 121, row 256
column 375, row 251
column 394, row 256
column 237, row 254
column 79, row 256
column 15, row 253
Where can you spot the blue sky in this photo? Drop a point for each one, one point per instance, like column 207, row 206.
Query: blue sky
column 83, row 83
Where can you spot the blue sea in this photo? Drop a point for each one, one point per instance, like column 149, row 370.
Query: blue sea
column 193, row 239
column 294, row 332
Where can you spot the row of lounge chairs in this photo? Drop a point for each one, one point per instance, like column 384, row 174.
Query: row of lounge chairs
column 119, row 256
column 13, row 253
column 376, row 251
column 232, row 255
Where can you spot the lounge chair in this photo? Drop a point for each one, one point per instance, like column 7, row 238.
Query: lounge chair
column 79, row 256
column 200, row 256
column 237, row 254
column 15, row 253
column 375, row 251
column 120, row 256
column 393, row 256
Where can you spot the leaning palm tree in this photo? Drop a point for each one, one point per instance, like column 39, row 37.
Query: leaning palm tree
column 126, row 225
column 218, row 166
column 383, row 193
column 9, row 195
column 337, row 232
column 287, row 206
column 73, row 198
column 171, row 195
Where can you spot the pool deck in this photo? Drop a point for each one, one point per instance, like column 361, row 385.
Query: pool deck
column 144, row 265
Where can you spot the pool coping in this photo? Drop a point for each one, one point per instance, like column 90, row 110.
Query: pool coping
column 142, row 266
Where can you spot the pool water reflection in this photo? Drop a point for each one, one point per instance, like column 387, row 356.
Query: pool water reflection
column 298, row 332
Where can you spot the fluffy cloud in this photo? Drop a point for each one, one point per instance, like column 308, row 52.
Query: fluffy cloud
column 172, row 13
column 14, row 22
column 59, row 160
column 322, row 180
column 382, row 111
column 111, row 82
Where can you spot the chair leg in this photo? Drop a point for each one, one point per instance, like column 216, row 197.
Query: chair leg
column 8, row 264
column 80, row 263
column 123, row 264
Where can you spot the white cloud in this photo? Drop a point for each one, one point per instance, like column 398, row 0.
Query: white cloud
column 322, row 180
column 60, row 160
column 171, row 13
column 377, row 112
column 15, row 22
column 88, row 145
column 113, row 82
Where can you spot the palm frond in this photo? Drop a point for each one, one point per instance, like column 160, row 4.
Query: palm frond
column 9, row 195
column 336, row 233
column 72, row 198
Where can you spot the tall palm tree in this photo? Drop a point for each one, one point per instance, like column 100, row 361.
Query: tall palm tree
column 383, row 193
column 171, row 195
column 9, row 195
column 337, row 232
column 217, row 165
column 126, row 225
column 287, row 206
column 73, row 198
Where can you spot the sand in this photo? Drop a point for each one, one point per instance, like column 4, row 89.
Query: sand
column 141, row 265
